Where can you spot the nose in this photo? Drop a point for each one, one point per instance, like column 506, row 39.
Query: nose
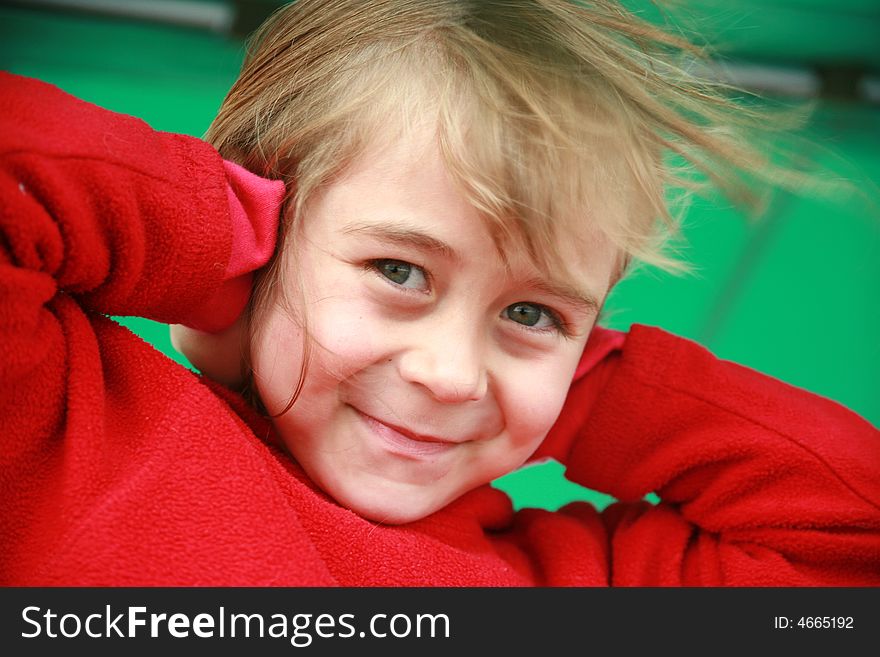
column 450, row 366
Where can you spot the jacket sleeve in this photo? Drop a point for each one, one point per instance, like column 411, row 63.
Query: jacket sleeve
column 761, row 483
column 98, row 206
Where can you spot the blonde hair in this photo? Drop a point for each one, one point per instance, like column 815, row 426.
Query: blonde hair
column 551, row 114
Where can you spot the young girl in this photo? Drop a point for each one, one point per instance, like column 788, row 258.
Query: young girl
column 396, row 254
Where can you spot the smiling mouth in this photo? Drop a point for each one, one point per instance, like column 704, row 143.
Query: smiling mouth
column 405, row 443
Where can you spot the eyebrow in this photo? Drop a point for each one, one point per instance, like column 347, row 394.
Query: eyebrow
column 571, row 295
column 402, row 235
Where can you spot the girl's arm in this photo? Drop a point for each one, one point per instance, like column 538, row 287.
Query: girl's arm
column 760, row 483
column 100, row 214
column 125, row 219
column 120, row 218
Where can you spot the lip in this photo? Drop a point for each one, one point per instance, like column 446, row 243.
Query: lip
column 404, row 442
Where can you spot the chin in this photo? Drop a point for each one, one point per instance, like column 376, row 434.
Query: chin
column 388, row 507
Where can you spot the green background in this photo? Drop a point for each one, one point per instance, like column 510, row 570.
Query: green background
column 795, row 295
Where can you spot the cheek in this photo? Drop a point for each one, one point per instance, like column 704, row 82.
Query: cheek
column 276, row 355
column 532, row 403
column 346, row 338
column 343, row 338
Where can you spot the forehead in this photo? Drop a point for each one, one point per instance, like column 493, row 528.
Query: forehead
column 571, row 264
column 403, row 189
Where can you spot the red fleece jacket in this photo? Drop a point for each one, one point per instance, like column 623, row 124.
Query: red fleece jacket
column 120, row 467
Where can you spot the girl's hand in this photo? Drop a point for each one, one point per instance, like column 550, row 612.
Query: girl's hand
column 219, row 356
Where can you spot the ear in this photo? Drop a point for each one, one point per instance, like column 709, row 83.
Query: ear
column 219, row 356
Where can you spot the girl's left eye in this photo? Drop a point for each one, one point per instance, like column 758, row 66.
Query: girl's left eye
column 403, row 274
column 533, row 316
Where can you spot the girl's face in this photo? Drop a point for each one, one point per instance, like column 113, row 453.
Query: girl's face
column 436, row 367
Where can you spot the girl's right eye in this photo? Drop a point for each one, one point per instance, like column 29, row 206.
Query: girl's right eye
column 402, row 274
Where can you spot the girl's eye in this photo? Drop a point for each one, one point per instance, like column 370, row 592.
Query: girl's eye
column 532, row 315
column 402, row 273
